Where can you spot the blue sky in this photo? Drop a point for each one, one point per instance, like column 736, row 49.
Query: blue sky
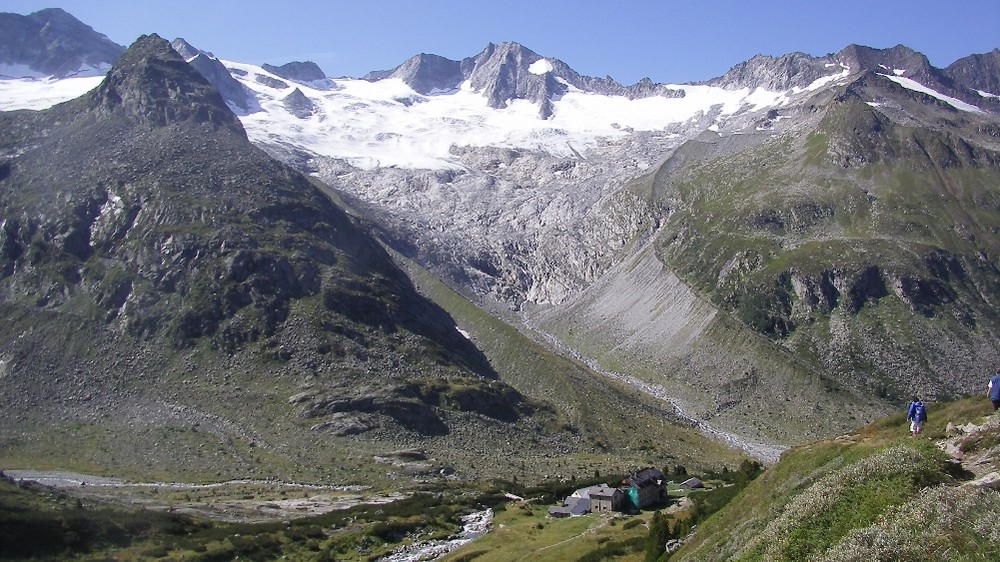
column 665, row 40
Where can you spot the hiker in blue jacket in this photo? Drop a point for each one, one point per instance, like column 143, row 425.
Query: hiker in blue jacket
column 916, row 415
column 993, row 391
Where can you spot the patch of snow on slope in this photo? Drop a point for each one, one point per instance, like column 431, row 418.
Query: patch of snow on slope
column 918, row 87
column 19, row 71
column 540, row 66
column 29, row 93
column 820, row 82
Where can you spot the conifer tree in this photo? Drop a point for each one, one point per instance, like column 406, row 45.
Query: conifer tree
column 656, row 540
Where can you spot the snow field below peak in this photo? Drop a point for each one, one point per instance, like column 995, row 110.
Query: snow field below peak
column 386, row 123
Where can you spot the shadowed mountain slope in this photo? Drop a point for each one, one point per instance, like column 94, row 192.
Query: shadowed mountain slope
column 52, row 42
column 150, row 258
column 179, row 305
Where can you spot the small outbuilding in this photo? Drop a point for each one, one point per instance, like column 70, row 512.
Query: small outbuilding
column 571, row 507
column 692, row 483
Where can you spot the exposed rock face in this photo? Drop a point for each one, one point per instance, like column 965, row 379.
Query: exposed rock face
column 900, row 58
column 503, row 73
column 426, row 73
column 798, row 70
column 795, row 70
column 978, row 72
column 52, row 42
column 187, row 50
column 297, row 71
column 906, row 63
column 271, row 82
column 508, row 72
column 216, row 73
column 308, row 73
column 140, row 221
column 298, row 104
column 157, row 88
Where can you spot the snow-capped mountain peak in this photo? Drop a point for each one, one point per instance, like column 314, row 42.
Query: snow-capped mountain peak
column 52, row 43
column 507, row 96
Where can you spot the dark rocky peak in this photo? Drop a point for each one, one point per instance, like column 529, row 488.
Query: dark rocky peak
column 298, row 104
column 426, row 73
column 153, row 85
column 899, row 60
column 904, row 62
column 508, row 72
column 53, row 42
column 212, row 69
column 979, row 72
column 646, row 88
column 308, row 73
column 794, row 70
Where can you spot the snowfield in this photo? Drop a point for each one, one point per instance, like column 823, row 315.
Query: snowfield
column 387, row 124
column 43, row 93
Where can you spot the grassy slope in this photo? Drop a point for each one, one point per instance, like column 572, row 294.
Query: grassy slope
column 903, row 235
column 619, row 428
column 523, row 532
column 640, row 320
column 875, row 494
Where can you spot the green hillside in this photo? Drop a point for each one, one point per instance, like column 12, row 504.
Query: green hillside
column 863, row 239
column 874, row 494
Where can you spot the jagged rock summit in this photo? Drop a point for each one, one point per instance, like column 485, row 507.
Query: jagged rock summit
column 297, row 71
column 980, row 72
column 307, row 73
column 215, row 72
column 153, row 84
column 962, row 80
column 52, row 42
column 507, row 72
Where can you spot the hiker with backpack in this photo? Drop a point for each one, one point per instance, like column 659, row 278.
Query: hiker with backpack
column 916, row 415
column 993, row 391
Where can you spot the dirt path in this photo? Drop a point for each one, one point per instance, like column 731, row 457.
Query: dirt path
column 603, row 522
column 982, row 463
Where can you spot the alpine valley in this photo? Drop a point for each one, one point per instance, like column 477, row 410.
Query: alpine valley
column 486, row 268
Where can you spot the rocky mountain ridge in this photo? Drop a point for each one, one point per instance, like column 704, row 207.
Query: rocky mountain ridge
column 216, row 73
column 545, row 233
column 734, row 216
column 183, row 247
column 510, row 71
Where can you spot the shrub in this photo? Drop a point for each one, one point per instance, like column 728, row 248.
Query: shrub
column 852, row 497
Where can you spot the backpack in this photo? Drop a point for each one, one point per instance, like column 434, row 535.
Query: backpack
column 919, row 412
